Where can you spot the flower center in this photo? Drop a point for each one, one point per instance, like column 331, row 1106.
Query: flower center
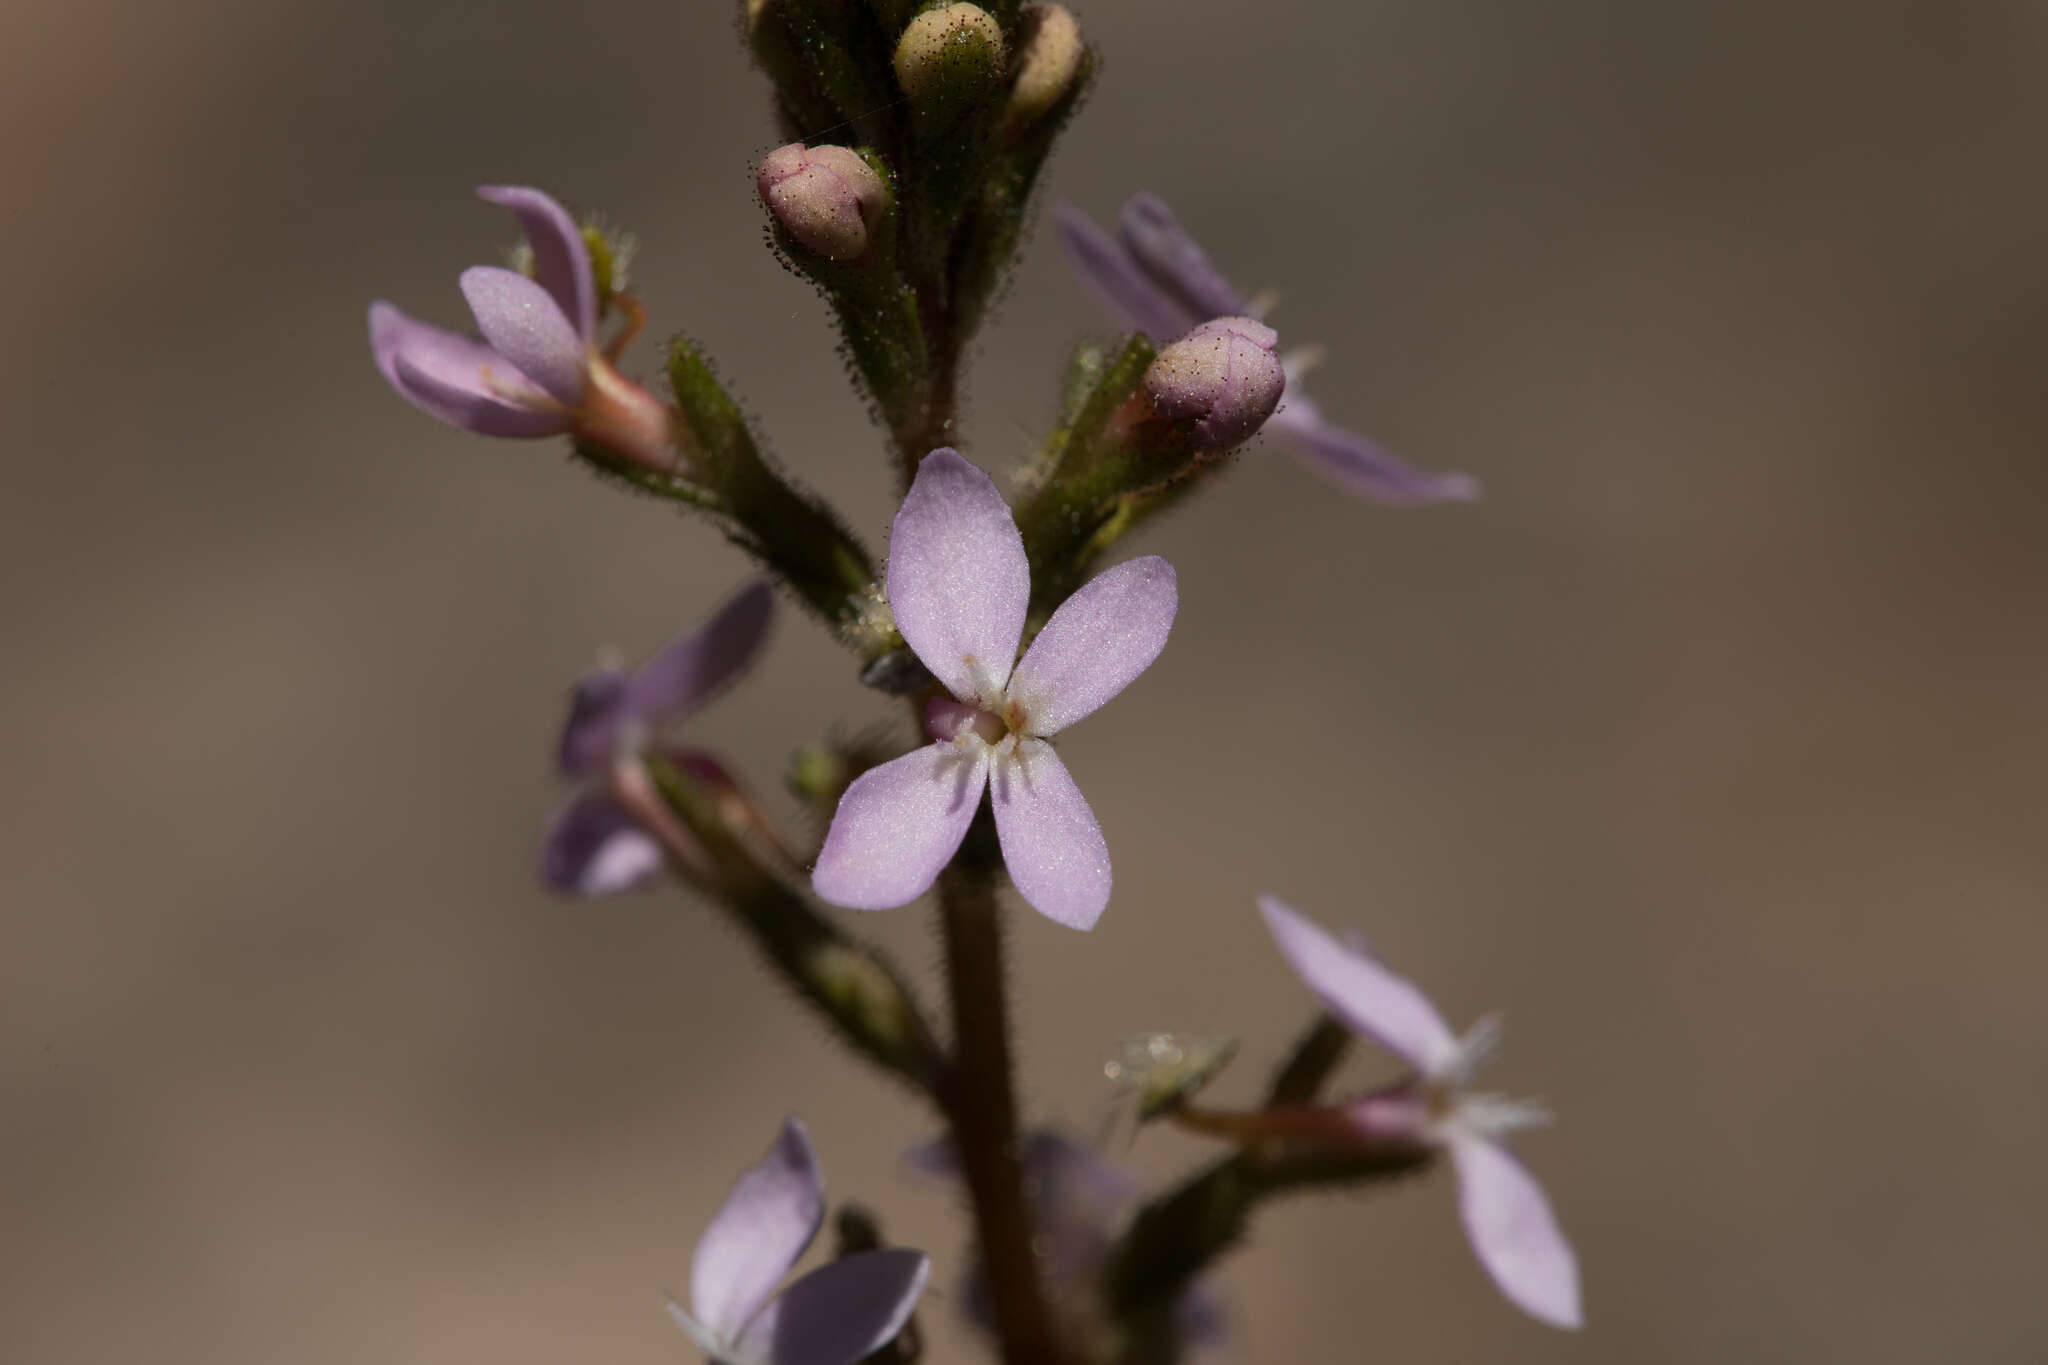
column 948, row 720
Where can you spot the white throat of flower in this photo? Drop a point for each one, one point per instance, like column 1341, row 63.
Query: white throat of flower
column 1455, row 1106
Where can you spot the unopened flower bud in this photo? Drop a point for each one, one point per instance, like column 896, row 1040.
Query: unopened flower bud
column 829, row 198
column 949, row 55
column 1048, row 56
column 1222, row 379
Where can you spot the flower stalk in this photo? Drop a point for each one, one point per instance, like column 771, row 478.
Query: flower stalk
column 980, row 1104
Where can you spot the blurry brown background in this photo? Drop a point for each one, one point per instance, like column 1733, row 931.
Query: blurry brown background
column 1708, row 747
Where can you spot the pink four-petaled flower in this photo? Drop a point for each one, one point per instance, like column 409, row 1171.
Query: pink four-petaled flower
column 595, row 844
column 959, row 585
column 539, row 370
column 1506, row 1216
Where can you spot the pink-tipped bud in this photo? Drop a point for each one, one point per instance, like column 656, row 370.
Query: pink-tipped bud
column 1221, row 380
column 828, row 197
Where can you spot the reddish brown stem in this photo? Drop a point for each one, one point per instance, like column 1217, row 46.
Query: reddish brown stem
column 982, row 1110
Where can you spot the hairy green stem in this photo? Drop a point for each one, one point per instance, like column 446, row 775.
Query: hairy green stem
column 795, row 535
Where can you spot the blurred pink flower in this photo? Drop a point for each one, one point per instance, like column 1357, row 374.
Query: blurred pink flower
column 1158, row 279
column 840, row 1312
column 1506, row 1215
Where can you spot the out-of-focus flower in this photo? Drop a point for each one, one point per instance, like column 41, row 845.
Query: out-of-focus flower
column 1156, row 278
column 596, row 844
column 835, row 1315
column 1505, row 1213
column 959, row 585
column 538, row 370
column 1080, row 1205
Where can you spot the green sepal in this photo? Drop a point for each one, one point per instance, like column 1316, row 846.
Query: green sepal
column 802, row 107
column 846, row 54
column 1080, row 474
column 795, row 535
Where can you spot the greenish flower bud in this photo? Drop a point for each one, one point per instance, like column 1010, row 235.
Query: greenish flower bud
column 828, row 198
column 950, row 56
column 1048, row 58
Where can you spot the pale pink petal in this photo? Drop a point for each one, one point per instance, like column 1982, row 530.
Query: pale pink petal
column 1156, row 241
column 958, row 581
column 898, row 825
column 1369, row 999
column 691, row 669
column 1360, row 465
column 1101, row 638
column 459, row 379
column 591, row 734
column 764, row 1225
column 561, row 258
column 840, row 1312
column 1514, row 1232
column 1119, row 281
column 524, row 324
column 1051, row 843
column 594, row 847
